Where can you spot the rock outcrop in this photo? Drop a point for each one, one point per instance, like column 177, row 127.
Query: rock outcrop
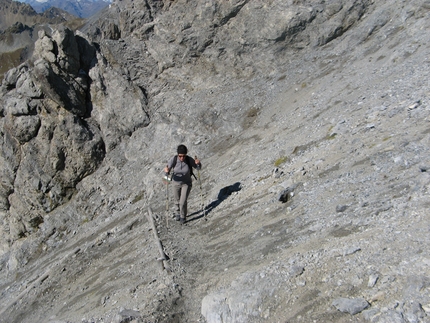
column 56, row 125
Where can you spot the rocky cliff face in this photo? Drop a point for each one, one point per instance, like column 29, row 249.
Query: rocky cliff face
column 50, row 142
column 311, row 120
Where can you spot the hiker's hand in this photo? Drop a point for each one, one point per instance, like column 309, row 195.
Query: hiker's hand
column 197, row 161
column 166, row 170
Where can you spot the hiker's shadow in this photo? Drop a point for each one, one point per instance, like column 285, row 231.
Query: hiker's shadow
column 223, row 194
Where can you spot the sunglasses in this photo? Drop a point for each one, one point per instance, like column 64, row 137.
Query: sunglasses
column 182, row 156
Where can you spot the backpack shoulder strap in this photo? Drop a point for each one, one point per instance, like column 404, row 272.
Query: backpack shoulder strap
column 187, row 160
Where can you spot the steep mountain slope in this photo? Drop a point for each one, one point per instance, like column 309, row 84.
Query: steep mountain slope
column 12, row 12
column 311, row 120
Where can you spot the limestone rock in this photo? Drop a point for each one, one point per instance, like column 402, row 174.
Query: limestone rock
column 40, row 136
column 351, row 306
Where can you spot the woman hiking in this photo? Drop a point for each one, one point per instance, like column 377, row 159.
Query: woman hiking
column 182, row 166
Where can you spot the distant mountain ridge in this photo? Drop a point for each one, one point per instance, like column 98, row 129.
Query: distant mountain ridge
column 19, row 26
column 78, row 8
column 12, row 12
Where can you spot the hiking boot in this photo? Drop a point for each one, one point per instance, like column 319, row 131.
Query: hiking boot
column 177, row 217
column 182, row 221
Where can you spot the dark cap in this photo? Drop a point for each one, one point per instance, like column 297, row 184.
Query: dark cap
column 182, row 149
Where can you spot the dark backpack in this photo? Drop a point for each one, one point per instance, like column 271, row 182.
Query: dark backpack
column 187, row 161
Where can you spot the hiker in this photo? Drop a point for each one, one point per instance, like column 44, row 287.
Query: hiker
column 182, row 166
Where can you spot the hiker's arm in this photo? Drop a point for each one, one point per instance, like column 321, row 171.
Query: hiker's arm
column 169, row 165
column 198, row 164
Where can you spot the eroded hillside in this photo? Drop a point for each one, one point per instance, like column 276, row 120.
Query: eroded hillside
column 311, row 121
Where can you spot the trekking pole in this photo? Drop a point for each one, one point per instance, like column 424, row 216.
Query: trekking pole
column 201, row 191
column 167, row 204
column 167, row 179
